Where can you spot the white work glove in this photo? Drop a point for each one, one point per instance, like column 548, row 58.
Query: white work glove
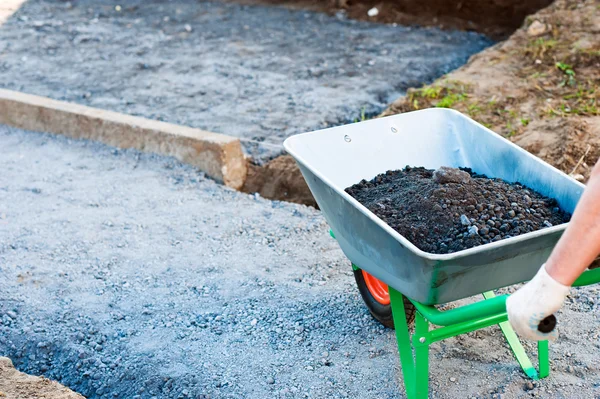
column 536, row 300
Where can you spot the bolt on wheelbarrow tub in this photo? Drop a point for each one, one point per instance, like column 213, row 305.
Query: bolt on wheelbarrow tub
column 336, row 158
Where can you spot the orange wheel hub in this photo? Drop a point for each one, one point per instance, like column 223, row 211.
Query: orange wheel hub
column 377, row 288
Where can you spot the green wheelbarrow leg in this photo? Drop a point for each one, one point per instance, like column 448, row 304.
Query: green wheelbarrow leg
column 519, row 351
column 415, row 370
column 421, row 357
column 544, row 359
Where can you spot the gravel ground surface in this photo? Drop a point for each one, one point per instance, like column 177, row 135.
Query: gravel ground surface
column 130, row 275
column 260, row 73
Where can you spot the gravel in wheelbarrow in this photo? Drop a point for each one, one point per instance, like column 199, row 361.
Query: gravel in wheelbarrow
column 449, row 209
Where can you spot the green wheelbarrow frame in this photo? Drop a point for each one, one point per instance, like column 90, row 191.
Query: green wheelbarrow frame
column 461, row 320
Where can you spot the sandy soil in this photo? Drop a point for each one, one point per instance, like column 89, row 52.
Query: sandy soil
column 17, row 385
column 540, row 88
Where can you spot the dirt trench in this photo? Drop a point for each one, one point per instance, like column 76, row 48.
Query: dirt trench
column 495, row 18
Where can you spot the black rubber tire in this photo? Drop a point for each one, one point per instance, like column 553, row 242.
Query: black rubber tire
column 382, row 313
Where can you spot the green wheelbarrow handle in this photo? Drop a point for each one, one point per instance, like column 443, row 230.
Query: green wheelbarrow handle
column 588, row 277
column 492, row 307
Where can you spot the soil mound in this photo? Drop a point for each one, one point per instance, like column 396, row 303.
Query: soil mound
column 450, row 209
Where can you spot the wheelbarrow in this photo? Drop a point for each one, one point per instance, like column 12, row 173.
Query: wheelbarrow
column 401, row 283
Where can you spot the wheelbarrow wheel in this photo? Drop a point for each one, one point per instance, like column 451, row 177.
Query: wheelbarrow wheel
column 377, row 298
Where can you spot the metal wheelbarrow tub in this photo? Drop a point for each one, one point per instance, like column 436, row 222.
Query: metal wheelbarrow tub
column 335, row 158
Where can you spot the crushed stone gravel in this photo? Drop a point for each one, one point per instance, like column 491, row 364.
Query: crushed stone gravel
column 255, row 72
column 129, row 275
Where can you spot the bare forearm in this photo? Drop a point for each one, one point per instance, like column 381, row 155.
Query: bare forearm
column 545, row 294
column 580, row 244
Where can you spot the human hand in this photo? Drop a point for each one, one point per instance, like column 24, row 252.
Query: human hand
column 539, row 298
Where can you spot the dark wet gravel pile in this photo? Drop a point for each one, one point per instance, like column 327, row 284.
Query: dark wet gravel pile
column 449, row 210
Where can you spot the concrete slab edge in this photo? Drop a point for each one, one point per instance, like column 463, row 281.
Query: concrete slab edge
column 218, row 155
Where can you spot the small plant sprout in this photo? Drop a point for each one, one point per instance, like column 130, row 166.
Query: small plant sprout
column 569, row 73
